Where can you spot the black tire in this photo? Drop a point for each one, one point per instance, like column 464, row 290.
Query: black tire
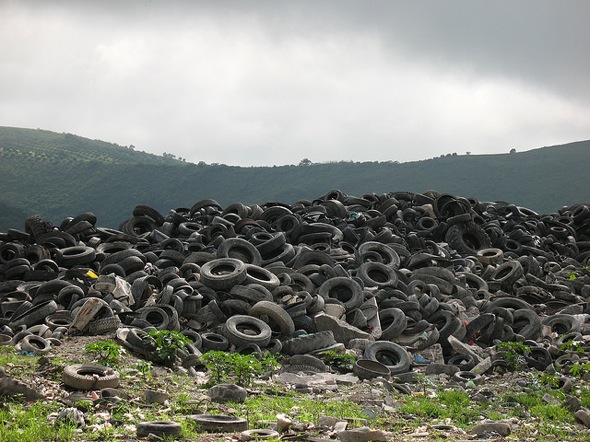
column 370, row 369
column 155, row 316
column 34, row 344
column 259, row 275
column 507, row 274
column 90, row 377
column 214, row 341
column 144, row 210
column 276, row 314
column 490, row 256
column 158, row 428
column 527, row 323
column 369, row 250
column 562, row 323
column 239, row 248
column 104, row 326
column 394, row 356
column 393, row 323
column 345, row 290
column 223, row 273
column 538, row 358
column 447, row 324
column 258, row 434
column 241, row 330
column 377, row 274
column 467, row 238
column 219, row 423
column 35, row 315
column 76, row 255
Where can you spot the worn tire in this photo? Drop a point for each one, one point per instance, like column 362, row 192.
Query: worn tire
column 219, row 423
column 158, row 428
column 223, row 273
column 238, row 330
column 345, row 290
column 394, row 356
column 90, row 377
column 276, row 314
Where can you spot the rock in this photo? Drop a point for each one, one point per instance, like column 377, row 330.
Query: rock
column 363, row 434
column 71, row 415
column 433, row 369
column 572, row 403
column 343, row 332
column 330, row 422
column 482, row 367
column 434, row 354
column 11, row 387
column 284, row 422
column 501, row 428
column 583, row 416
column 463, row 349
column 222, row 393
column 157, row 397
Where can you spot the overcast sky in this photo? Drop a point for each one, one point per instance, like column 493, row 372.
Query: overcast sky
column 272, row 82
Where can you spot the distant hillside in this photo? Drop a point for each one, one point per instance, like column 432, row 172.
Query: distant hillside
column 59, row 175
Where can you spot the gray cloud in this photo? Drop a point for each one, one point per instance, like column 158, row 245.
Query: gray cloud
column 272, row 82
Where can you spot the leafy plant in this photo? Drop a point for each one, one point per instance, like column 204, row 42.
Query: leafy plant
column 572, row 346
column 341, row 362
column 550, row 379
column 242, row 368
column 144, row 367
column 514, row 353
column 167, row 343
column 106, row 352
column 579, row 369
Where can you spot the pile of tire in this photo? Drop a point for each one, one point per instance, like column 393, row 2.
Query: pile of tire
column 388, row 273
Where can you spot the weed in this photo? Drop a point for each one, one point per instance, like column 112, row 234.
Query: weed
column 579, row 369
column 514, row 353
column 243, row 368
column 106, row 352
column 341, row 362
column 144, row 367
column 550, row 379
column 572, row 346
column 167, row 343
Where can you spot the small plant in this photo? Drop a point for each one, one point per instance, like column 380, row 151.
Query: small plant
column 514, row 353
column 167, row 343
column 573, row 275
column 242, row 368
column 341, row 362
column 572, row 346
column 144, row 367
column 106, row 352
column 550, row 379
column 579, row 370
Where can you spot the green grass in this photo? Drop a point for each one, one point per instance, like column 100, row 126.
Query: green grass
column 21, row 422
column 455, row 405
column 264, row 408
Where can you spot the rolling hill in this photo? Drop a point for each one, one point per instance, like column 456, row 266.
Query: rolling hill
column 59, row 175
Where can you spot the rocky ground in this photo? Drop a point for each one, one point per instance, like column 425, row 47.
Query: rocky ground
column 382, row 402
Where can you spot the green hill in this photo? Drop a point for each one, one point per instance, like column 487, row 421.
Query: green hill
column 59, row 175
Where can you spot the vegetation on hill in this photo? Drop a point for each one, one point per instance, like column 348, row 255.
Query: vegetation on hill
column 59, row 175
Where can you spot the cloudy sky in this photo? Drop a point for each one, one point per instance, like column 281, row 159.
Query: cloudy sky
column 267, row 82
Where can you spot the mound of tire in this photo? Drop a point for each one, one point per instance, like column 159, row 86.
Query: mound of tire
column 391, row 274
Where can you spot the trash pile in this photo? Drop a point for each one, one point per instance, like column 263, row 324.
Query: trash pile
column 404, row 279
